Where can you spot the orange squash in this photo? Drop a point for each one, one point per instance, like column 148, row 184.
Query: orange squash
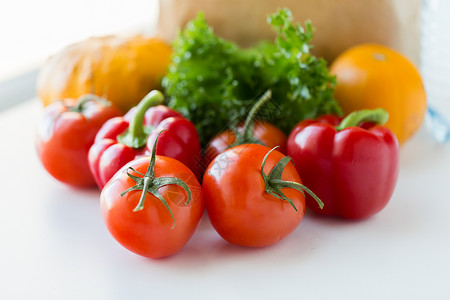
column 373, row 76
column 120, row 69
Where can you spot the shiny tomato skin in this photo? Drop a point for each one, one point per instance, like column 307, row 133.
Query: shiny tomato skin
column 239, row 208
column 149, row 232
column 64, row 138
column 268, row 134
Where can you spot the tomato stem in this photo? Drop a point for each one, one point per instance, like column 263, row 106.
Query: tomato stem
column 136, row 136
column 378, row 116
column 274, row 183
column 150, row 184
column 147, row 182
column 81, row 102
column 249, row 121
column 246, row 135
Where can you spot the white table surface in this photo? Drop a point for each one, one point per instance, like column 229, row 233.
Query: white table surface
column 55, row 245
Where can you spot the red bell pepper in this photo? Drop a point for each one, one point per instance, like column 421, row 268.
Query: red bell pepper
column 66, row 132
column 123, row 139
column 352, row 167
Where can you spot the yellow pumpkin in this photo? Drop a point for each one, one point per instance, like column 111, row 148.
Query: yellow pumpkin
column 120, row 69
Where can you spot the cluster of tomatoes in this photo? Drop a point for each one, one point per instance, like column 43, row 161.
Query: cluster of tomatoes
column 149, row 164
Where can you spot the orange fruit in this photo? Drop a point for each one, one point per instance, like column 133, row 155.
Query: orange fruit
column 374, row 76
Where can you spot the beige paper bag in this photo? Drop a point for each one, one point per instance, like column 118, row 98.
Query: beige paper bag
column 339, row 24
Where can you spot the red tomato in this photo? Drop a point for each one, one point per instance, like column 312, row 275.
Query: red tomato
column 144, row 225
column 66, row 132
column 249, row 132
column 264, row 132
column 249, row 207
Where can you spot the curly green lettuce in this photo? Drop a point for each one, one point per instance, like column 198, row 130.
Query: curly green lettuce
column 213, row 82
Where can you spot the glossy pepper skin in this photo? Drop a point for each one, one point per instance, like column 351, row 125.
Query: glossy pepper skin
column 353, row 170
column 123, row 139
column 65, row 133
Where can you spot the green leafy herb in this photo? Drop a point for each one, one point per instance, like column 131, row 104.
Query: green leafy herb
column 214, row 83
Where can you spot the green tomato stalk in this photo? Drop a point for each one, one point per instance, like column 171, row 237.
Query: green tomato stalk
column 148, row 183
column 274, row 183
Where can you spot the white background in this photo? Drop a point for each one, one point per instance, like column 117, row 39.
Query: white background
column 30, row 31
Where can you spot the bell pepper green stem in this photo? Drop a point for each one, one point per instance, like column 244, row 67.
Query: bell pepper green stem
column 137, row 123
column 81, row 102
column 135, row 136
column 378, row 116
